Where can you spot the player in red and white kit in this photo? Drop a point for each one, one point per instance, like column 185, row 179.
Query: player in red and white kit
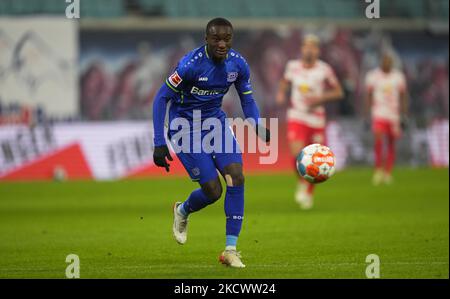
column 312, row 83
column 387, row 101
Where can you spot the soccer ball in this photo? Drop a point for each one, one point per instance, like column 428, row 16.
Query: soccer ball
column 315, row 163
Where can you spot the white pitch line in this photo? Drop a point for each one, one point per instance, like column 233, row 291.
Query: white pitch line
column 149, row 267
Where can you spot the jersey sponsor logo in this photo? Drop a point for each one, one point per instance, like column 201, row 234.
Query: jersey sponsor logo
column 232, row 76
column 204, row 79
column 304, row 88
column 175, row 79
column 202, row 92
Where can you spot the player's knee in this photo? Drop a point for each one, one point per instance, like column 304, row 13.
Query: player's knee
column 296, row 147
column 235, row 179
column 234, row 175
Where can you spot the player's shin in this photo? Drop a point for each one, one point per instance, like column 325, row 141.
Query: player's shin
column 234, row 211
column 196, row 201
column 378, row 151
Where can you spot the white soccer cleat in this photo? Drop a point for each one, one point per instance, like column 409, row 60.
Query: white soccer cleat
column 179, row 225
column 306, row 201
column 231, row 258
column 388, row 178
column 303, row 198
column 378, row 177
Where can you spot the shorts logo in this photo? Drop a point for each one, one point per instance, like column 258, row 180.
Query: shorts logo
column 175, row 79
column 196, row 171
column 232, row 76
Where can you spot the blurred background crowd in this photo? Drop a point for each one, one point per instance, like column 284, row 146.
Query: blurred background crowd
column 108, row 64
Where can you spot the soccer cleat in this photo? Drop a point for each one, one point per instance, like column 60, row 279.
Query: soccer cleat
column 298, row 193
column 231, row 258
column 388, row 178
column 305, row 201
column 179, row 225
column 378, row 177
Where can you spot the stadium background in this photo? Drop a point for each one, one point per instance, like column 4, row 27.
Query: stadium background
column 66, row 84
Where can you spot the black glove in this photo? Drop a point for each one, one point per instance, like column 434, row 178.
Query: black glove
column 263, row 133
column 159, row 157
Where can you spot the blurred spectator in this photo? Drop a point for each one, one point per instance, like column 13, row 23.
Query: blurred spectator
column 96, row 92
column 128, row 93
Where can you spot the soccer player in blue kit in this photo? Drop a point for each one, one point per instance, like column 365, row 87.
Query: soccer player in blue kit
column 198, row 84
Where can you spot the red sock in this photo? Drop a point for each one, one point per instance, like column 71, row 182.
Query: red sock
column 301, row 180
column 310, row 189
column 309, row 186
column 296, row 170
column 390, row 155
column 378, row 149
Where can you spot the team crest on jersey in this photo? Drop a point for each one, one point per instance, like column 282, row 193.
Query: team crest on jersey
column 232, row 76
column 175, row 79
column 196, row 171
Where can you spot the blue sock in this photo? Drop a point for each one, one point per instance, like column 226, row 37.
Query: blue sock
column 234, row 211
column 231, row 241
column 196, row 201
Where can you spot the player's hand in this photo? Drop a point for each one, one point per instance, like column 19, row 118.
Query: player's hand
column 280, row 98
column 159, row 157
column 263, row 133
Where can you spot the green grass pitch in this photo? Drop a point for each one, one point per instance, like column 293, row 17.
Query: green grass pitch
column 123, row 229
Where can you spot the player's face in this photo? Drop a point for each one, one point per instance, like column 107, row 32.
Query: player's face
column 219, row 40
column 310, row 51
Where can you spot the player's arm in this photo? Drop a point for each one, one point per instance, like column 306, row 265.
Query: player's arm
column 248, row 104
column 169, row 90
column 283, row 87
column 404, row 103
column 368, row 101
column 161, row 151
column 333, row 92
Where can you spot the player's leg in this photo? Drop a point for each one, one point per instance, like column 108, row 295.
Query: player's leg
column 234, row 212
column 314, row 135
column 393, row 134
column 299, row 136
column 230, row 166
column 295, row 136
column 208, row 193
column 303, row 188
column 201, row 168
column 378, row 133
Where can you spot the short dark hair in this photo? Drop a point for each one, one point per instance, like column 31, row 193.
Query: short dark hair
column 218, row 22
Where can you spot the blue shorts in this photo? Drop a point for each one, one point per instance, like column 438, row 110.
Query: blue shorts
column 202, row 165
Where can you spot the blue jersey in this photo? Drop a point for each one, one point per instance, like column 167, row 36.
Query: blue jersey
column 200, row 83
